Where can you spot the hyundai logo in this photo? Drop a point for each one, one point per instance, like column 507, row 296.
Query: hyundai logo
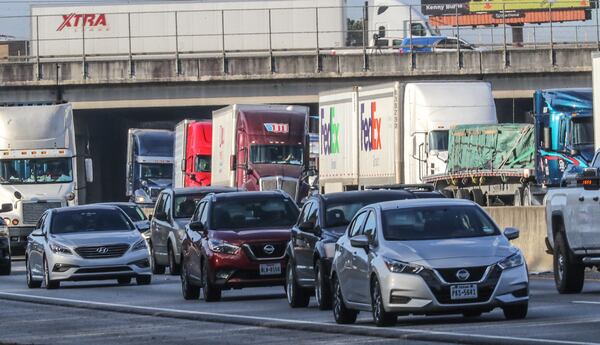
column 462, row 274
column 102, row 250
column 268, row 249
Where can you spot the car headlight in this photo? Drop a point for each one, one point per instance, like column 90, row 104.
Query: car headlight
column 511, row 261
column 139, row 245
column 59, row 248
column 402, row 267
column 3, row 231
column 218, row 246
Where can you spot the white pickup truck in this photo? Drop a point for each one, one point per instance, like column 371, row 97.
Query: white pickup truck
column 573, row 228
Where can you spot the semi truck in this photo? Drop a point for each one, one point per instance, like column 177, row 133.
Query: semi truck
column 192, row 154
column 394, row 133
column 210, row 26
column 149, row 166
column 517, row 164
column 261, row 147
column 40, row 166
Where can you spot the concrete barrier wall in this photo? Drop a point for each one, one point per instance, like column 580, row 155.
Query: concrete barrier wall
column 532, row 223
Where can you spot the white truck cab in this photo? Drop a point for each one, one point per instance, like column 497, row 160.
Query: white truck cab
column 397, row 19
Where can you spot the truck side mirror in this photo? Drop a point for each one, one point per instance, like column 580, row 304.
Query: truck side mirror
column 6, row 208
column 232, row 164
column 574, row 152
column 547, row 139
column 183, row 165
column 89, row 170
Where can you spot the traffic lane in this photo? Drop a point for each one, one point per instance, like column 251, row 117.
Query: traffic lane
column 552, row 316
column 62, row 325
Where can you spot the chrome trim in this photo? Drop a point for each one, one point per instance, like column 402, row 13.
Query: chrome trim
column 253, row 257
column 483, row 278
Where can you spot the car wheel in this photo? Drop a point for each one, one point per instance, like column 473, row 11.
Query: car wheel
column 156, row 268
column 124, row 280
column 472, row 314
column 5, row 269
column 210, row 292
column 32, row 284
column 381, row 317
column 341, row 313
column 515, row 312
column 188, row 290
column 143, row 280
column 297, row 296
column 568, row 274
column 174, row 268
column 322, row 287
column 49, row 283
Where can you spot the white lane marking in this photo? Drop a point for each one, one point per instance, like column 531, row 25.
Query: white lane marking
column 298, row 322
column 585, row 302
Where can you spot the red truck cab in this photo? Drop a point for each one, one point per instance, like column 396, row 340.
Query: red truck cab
column 193, row 149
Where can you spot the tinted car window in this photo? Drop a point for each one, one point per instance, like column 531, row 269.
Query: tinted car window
column 304, row 214
column 312, row 214
column 66, row 222
column 356, row 226
column 597, row 161
column 253, row 212
column 134, row 212
column 370, row 224
column 185, row 205
column 430, row 223
column 340, row 213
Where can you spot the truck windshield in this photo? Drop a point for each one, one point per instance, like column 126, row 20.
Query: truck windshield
column 156, row 171
column 276, row 154
column 38, row 170
column 438, row 141
column 436, row 223
column 582, row 132
column 202, row 164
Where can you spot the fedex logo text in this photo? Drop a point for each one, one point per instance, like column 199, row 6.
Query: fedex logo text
column 370, row 128
column 330, row 132
column 83, row 20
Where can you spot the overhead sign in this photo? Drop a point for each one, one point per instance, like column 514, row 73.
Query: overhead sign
column 278, row 128
column 444, row 7
column 81, row 20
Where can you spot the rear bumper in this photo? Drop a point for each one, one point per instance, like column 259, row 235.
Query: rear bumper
column 18, row 238
column 238, row 271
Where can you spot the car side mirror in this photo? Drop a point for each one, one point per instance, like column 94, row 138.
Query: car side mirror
column 511, row 233
column 6, row 208
column 574, row 152
column 360, row 241
column 307, row 226
column 143, row 227
column 197, row 227
column 37, row 233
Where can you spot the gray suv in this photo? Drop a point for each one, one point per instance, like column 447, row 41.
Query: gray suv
column 173, row 210
column 427, row 257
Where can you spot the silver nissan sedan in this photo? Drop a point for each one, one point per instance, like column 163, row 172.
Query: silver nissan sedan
column 94, row 242
column 425, row 257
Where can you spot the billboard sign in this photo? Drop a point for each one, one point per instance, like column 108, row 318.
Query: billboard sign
column 476, row 6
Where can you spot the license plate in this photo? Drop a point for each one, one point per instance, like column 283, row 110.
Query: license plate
column 465, row 291
column 270, row 269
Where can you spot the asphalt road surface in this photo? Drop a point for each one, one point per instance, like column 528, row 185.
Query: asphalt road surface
column 106, row 313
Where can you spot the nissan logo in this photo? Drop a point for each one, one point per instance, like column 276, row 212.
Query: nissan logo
column 268, row 249
column 102, row 250
column 462, row 274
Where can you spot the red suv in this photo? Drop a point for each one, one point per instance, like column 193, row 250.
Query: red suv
column 236, row 240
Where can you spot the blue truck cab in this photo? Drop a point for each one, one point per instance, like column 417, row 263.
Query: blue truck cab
column 149, row 164
column 564, row 133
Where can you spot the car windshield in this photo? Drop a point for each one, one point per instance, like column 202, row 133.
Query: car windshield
column 89, row 220
column 185, row 205
column 582, row 132
column 253, row 213
column 276, row 154
column 202, row 164
column 158, row 171
column 38, row 170
column 436, row 222
column 339, row 214
column 438, row 141
column 134, row 212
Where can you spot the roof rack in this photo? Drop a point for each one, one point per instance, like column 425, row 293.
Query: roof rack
column 424, row 187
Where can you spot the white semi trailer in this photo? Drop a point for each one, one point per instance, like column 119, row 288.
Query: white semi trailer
column 198, row 26
column 394, row 133
column 39, row 165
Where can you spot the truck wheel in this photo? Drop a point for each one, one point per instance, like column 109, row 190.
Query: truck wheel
column 518, row 201
column 478, row 197
column 568, row 274
column 297, row 296
column 463, row 194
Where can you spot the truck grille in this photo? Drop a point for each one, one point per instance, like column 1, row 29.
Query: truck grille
column 286, row 184
column 32, row 211
column 102, row 252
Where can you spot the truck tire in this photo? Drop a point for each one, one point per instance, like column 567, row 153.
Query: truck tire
column 518, row 200
column 478, row 197
column 568, row 274
column 463, row 194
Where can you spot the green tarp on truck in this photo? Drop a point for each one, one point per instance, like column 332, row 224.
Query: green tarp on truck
column 491, row 147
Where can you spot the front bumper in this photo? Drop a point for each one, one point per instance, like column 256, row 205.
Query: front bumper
column 239, row 271
column 426, row 294
column 75, row 268
column 18, row 238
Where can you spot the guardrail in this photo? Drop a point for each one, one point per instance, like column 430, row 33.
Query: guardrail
column 87, row 37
